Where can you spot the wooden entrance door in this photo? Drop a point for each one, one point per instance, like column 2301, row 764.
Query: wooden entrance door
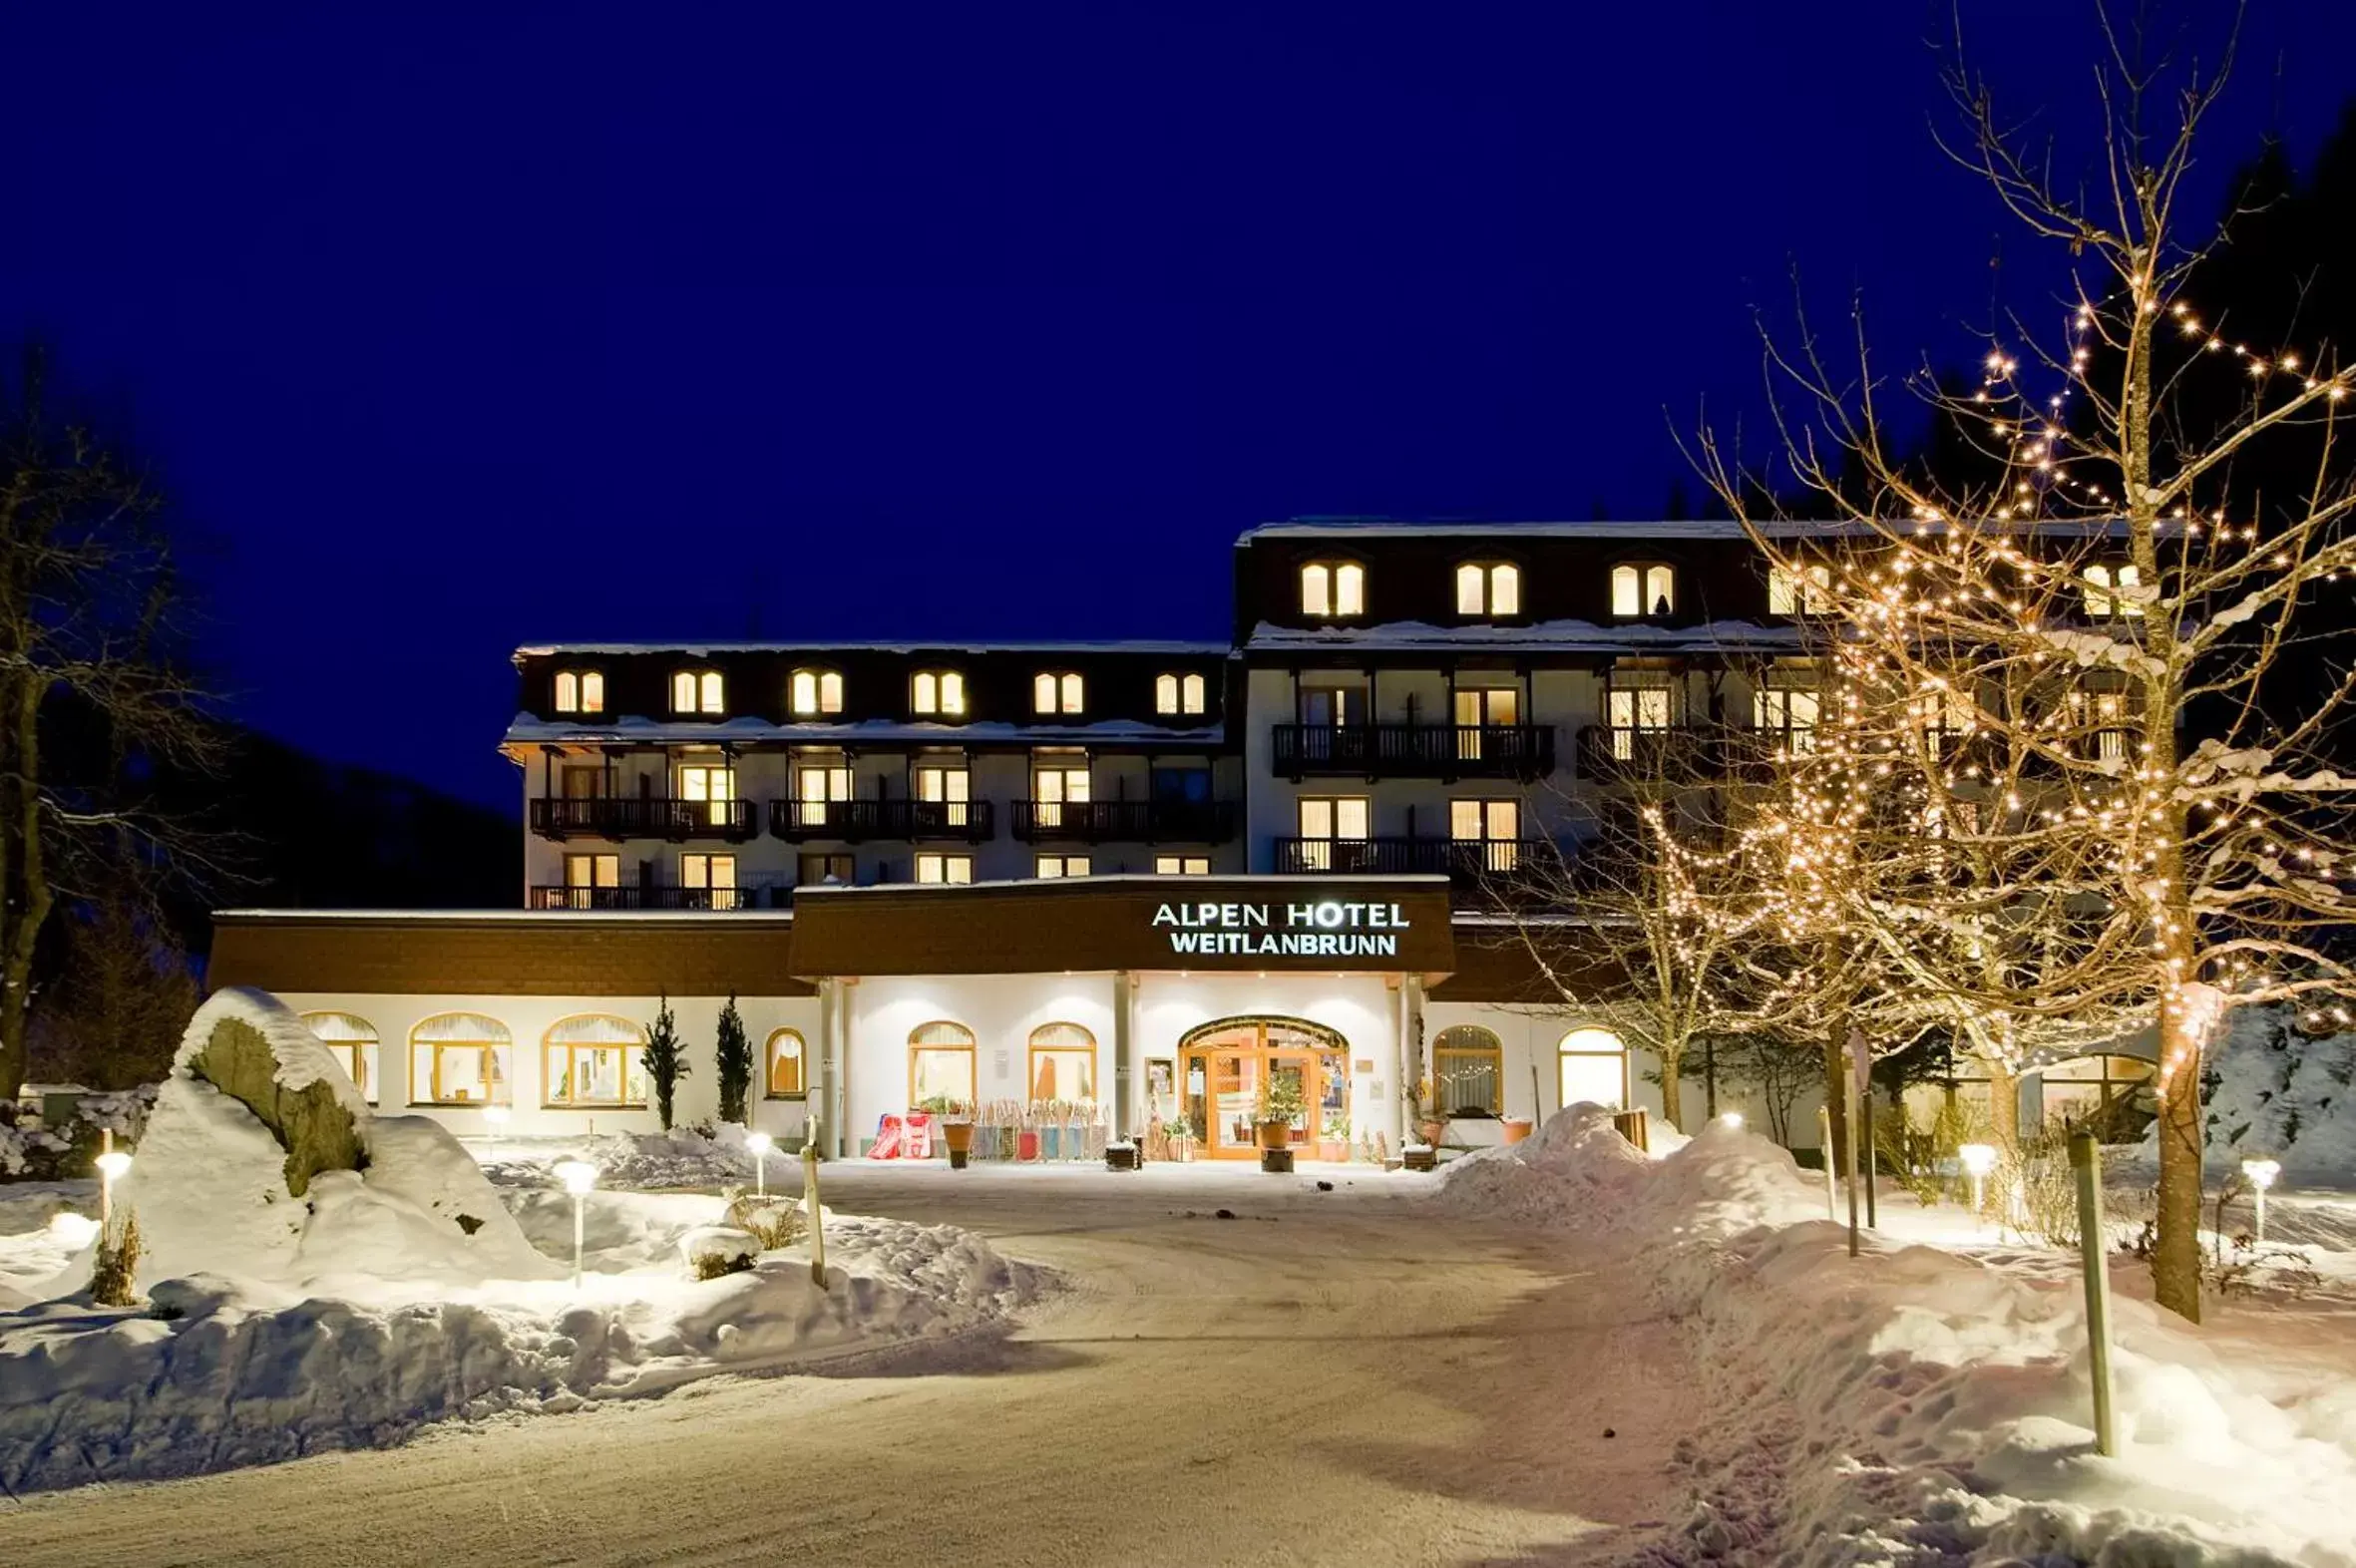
column 1223, row 1068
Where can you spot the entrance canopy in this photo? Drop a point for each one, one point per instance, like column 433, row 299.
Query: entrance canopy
column 1355, row 925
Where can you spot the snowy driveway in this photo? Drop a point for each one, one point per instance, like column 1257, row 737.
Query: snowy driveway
column 1328, row 1377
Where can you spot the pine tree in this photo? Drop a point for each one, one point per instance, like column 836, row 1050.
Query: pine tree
column 735, row 1057
column 666, row 1063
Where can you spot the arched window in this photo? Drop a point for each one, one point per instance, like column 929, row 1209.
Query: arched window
column 1468, row 1070
column 458, row 1058
column 813, row 693
column 1057, row 691
column 351, row 1041
column 786, row 1065
column 594, row 1060
column 1179, row 693
column 2104, row 575
column 1801, row 591
column 1062, row 1062
column 699, row 691
column 1644, row 589
column 580, row 692
column 938, row 693
column 939, row 1065
column 1488, row 589
column 1591, row 1064
column 1333, row 587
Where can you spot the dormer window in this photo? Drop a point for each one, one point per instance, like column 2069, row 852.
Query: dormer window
column 1799, row 591
column 1179, row 695
column 938, row 693
column 1488, row 589
column 1644, row 589
column 1333, row 587
column 815, row 694
column 2101, row 579
column 1057, row 691
column 697, row 691
column 580, row 692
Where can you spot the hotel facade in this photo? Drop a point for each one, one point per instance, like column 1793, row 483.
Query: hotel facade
column 1142, row 876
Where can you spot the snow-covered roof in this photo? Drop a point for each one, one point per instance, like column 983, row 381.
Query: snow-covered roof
column 550, row 916
column 1176, row 887
column 1542, row 636
column 1175, row 649
column 530, row 729
column 1688, row 527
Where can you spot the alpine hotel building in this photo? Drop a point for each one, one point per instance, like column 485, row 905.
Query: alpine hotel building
column 1142, row 874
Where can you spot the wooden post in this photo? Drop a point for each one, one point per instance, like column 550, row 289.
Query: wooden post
column 1850, row 1155
column 814, row 1213
column 1824, row 1148
column 105, row 1184
column 2085, row 1163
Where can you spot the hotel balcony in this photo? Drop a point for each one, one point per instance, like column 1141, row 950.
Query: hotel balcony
column 641, row 817
column 1415, row 751
column 561, row 897
column 1611, row 752
column 858, row 821
column 1465, row 861
column 1125, row 820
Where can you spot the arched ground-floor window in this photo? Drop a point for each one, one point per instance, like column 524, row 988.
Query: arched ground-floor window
column 787, row 1065
column 1062, row 1062
column 351, row 1041
column 594, row 1060
column 458, row 1058
column 939, row 1065
column 1591, row 1064
column 1468, row 1070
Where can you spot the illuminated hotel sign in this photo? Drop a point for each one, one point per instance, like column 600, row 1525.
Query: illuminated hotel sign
column 1326, row 929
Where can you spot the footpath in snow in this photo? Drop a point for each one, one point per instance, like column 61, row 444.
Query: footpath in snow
column 408, row 1292
column 1917, row 1405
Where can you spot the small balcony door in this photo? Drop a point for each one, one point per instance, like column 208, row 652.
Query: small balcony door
column 708, row 789
column 1478, row 708
column 817, row 788
column 708, row 882
column 583, row 783
column 1335, row 706
column 1638, row 705
column 1487, row 831
column 592, row 881
column 946, row 794
column 1056, row 786
column 1332, row 828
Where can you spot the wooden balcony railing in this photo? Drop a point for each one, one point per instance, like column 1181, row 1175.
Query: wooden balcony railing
column 642, row 817
column 561, row 897
column 1415, row 751
column 1125, row 820
column 1468, row 861
column 857, row 820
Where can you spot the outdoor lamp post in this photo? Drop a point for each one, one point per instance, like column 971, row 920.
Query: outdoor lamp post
column 1734, row 1120
column 495, row 1118
column 112, row 1163
column 579, row 1176
column 2261, row 1174
column 1978, row 1160
column 760, row 1143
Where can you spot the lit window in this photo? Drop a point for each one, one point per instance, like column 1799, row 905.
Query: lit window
column 1591, row 1065
column 1062, row 1062
column 580, row 692
column 944, row 797
column 1063, row 866
column 1480, row 710
column 1055, row 785
column 351, row 1041
column 458, row 1058
column 697, row 691
column 1182, row 864
column 1488, row 590
column 1054, row 691
column 710, row 792
column 818, row 789
column 1468, row 1071
column 1806, row 590
column 1334, row 588
column 708, row 882
column 1644, row 591
column 1785, row 707
column 1333, row 830
column 595, row 1059
column 944, row 867
column 940, row 1066
column 786, row 1060
column 592, row 882
column 1638, row 702
column 1179, row 693
column 938, row 692
column 816, row 692
column 2101, row 604
column 1489, row 833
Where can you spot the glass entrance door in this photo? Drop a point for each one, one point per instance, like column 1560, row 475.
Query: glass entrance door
column 1225, row 1067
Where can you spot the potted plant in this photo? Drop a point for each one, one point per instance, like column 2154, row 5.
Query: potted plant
column 1430, row 1119
column 956, row 1120
column 1335, row 1145
column 1279, row 1108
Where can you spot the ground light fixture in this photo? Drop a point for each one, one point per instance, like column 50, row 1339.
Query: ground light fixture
column 112, row 1165
column 1978, row 1160
column 760, row 1143
column 1732, row 1120
column 2261, row 1174
column 579, row 1176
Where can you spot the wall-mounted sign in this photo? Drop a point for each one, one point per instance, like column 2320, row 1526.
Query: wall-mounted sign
column 1320, row 928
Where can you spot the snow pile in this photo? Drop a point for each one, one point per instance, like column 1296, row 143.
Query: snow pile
column 683, row 1158
column 2274, row 1093
column 227, row 1373
column 1917, row 1406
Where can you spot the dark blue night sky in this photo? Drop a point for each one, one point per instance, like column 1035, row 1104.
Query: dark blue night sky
column 458, row 327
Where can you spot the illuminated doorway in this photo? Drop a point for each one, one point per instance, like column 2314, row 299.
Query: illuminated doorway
column 1223, row 1066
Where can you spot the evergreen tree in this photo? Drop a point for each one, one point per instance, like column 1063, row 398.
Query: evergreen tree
column 666, row 1063
column 735, row 1053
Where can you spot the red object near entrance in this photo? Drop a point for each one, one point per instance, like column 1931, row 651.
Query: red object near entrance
column 902, row 1137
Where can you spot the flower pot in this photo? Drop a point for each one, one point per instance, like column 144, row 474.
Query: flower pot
column 958, row 1138
column 1274, row 1134
column 1516, row 1128
column 1434, row 1129
column 1277, row 1162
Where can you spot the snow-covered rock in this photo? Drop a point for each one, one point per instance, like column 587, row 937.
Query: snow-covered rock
column 709, row 1249
column 255, row 1050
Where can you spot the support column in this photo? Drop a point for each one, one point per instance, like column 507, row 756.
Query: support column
column 846, row 1144
column 1124, row 1054
column 1391, row 1116
column 1410, row 995
column 822, row 1069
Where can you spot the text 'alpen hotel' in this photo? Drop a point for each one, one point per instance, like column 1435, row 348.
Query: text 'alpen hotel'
column 1146, row 875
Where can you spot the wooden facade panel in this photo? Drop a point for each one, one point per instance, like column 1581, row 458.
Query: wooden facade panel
column 563, row 954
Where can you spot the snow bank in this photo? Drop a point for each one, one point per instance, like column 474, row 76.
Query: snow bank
column 2274, row 1093
column 227, row 1372
column 1917, row 1406
column 646, row 1161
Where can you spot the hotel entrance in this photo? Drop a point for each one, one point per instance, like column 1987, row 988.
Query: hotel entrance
column 1226, row 1067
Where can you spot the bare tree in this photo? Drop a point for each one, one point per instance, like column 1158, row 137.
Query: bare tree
column 2078, row 624
column 92, row 693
